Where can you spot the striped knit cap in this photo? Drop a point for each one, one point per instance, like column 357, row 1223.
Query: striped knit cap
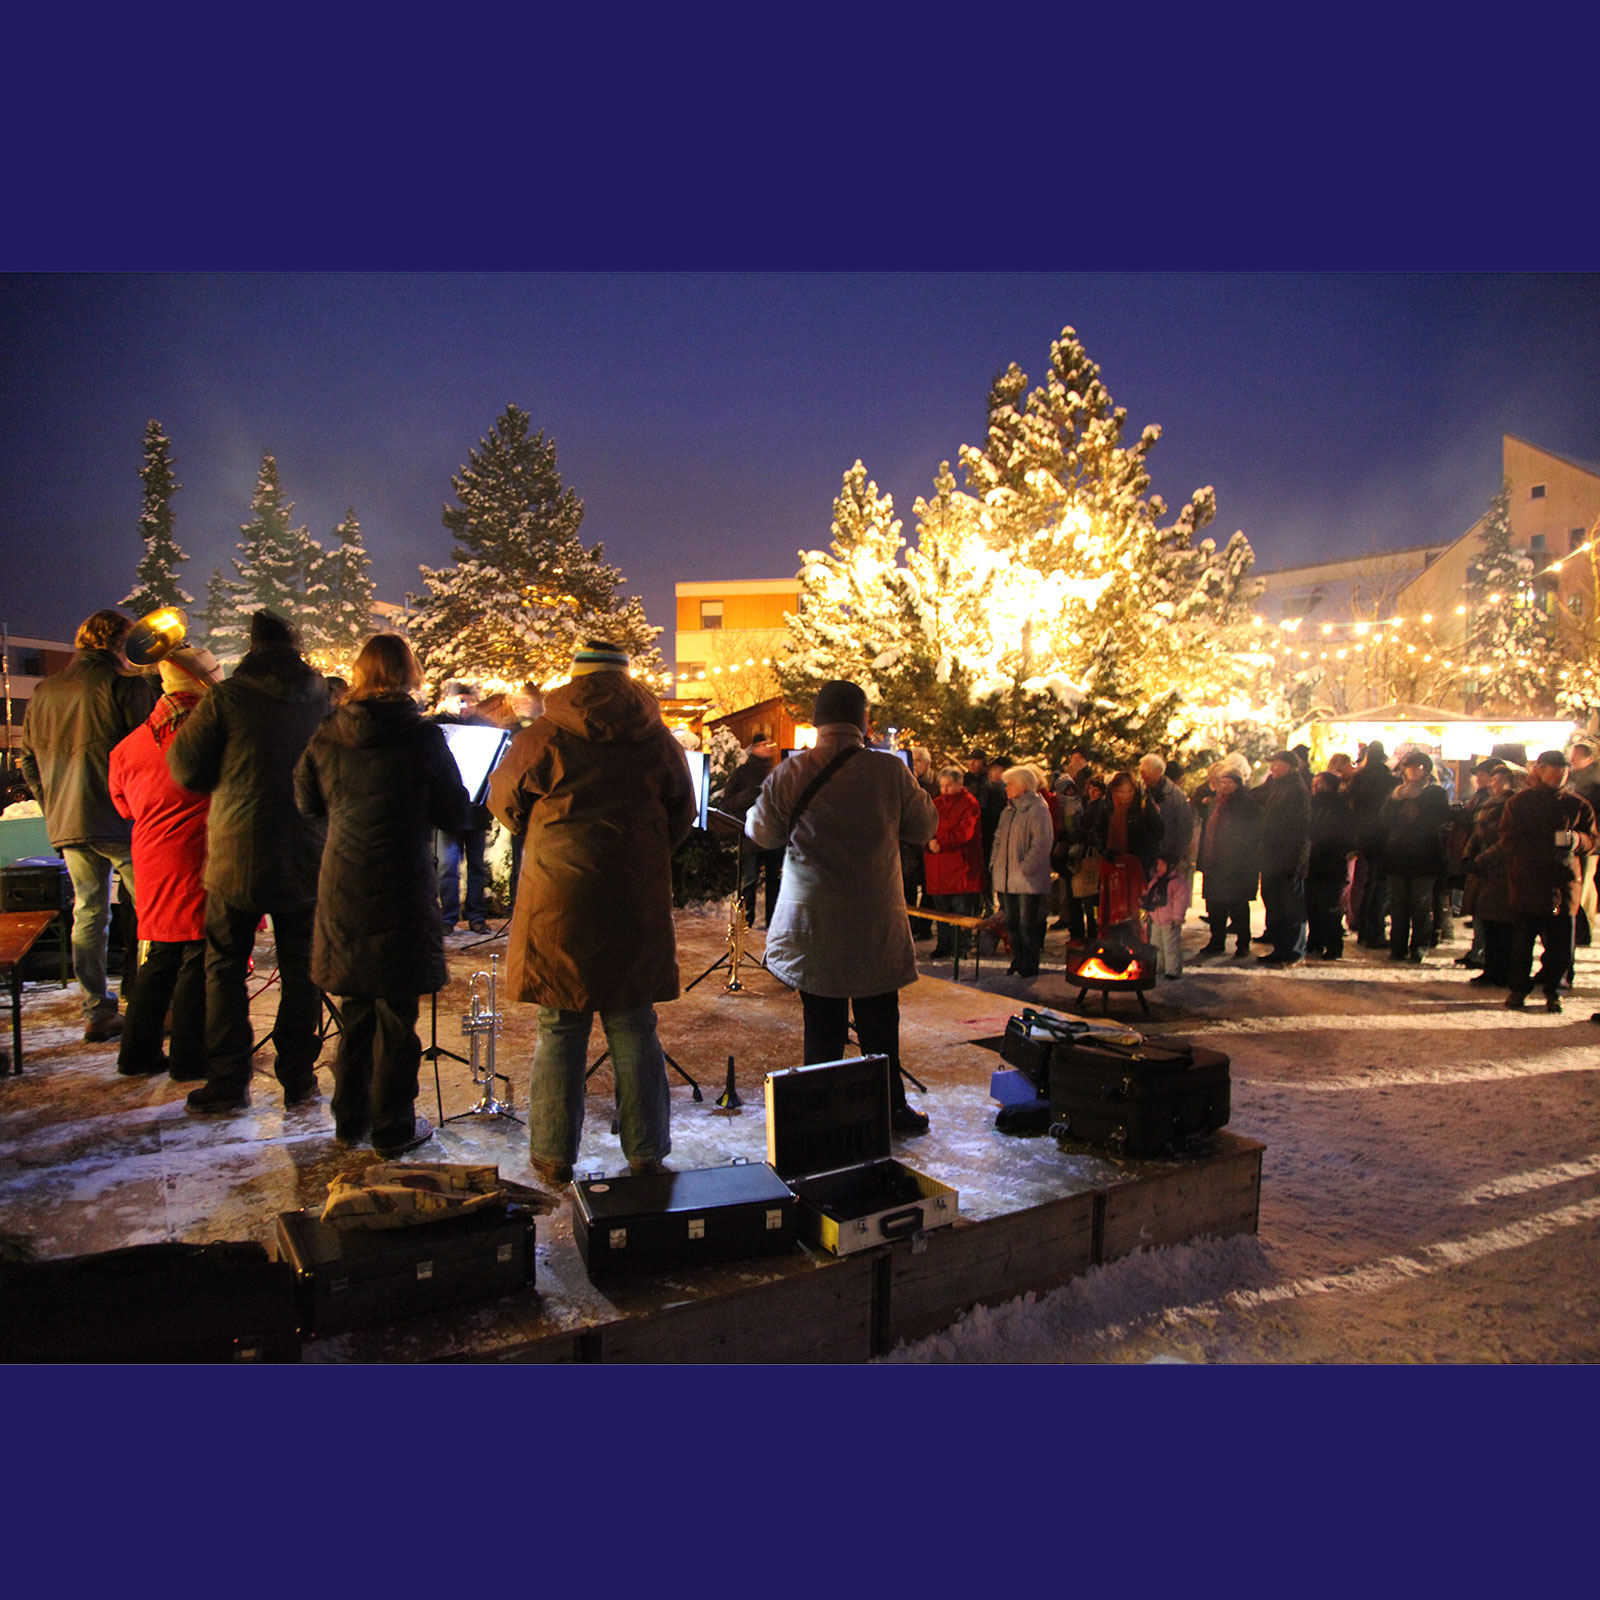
column 598, row 655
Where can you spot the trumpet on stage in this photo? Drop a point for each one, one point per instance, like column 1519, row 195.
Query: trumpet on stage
column 482, row 1025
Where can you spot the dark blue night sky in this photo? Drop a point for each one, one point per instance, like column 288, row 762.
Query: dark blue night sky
column 706, row 420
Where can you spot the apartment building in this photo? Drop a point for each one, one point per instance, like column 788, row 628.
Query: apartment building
column 730, row 628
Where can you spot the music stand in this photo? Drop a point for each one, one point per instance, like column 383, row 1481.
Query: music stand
column 726, row 958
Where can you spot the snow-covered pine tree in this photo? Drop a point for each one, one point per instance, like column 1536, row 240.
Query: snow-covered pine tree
column 343, row 590
column 852, row 618
column 220, row 629
column 1113, row 723
column 157, row 573
column 277, row 561
column 1506, row 655
column 523, row 591
column 1078, row 546
column 1058, row 546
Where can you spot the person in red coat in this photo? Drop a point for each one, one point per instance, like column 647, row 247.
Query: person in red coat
column 169, row 860
column 953, row 859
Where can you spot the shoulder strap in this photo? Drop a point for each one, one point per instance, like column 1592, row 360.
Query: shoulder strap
column 809, row 793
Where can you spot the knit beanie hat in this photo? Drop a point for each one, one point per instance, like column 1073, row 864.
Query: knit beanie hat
column 598, row 655
column 268, row 628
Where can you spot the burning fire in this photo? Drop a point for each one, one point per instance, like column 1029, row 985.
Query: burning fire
column 1094, row 967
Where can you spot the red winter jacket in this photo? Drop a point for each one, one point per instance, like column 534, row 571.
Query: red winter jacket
column 169, row 827
column 956, row 867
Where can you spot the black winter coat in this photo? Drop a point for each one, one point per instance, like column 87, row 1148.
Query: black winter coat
column 240, row 746
column 73, row 720
column 1144, row 827
column 1333, row 837
column 745, row 785
column 1370, row 786
column 1230, row 865
column 1285, row 827
column 1413, row 832
column 384, row 778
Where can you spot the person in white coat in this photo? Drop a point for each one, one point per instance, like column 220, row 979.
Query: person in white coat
column 1019, row 867
column 839, row 933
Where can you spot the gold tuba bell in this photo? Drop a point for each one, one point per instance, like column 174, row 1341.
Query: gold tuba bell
column 153, row 638
column 161, row 636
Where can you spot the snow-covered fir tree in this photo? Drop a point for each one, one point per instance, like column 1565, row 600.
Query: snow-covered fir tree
column 523, row 591
column 343, row 592
column 1506, row 656
column 852, row 598
column 157, row 573
column 1114, row 724
column 277, row 562
column 990, row 632
column 221, row 630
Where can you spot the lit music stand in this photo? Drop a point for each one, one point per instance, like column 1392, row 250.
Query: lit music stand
column 476, row 751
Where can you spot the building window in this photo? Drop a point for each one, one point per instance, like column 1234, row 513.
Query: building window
column 1536, row 492
column 710, row 613
column 1537, row 542
column 691, row 669
column 1574, row 538
column 1575, row 603
column 27, row 663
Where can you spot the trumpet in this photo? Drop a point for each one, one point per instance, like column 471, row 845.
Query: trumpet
column 482, row 1025
column 737, row 929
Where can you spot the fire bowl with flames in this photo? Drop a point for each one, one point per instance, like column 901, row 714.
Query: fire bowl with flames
column 1113, row 967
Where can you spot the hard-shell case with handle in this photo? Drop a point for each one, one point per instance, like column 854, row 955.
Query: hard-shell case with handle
column 828, row 1138
column 658, row 1221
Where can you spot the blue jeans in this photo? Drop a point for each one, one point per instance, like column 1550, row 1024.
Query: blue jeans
column 452, row 847
column 89, row 866
column 555, row 1095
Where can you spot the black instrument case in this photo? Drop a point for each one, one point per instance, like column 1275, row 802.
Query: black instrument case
column 1152, row 1098
column 657, row 1221
column 365, row 1277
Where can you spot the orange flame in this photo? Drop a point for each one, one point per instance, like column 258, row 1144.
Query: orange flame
column 1094, row 967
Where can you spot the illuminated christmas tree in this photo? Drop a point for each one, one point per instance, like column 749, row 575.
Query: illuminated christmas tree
column 1053, row 563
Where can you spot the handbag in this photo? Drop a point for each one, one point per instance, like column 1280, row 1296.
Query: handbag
column 1086, row 876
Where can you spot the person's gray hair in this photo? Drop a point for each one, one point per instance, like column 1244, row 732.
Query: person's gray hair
column 950, row 772
column 1153, row 760
column 1026, row 776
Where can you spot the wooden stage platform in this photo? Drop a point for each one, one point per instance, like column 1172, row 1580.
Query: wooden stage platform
column 814, row 1307
column 91, row 1161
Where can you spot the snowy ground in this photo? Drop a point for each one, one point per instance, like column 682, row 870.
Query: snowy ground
column 1430, row 1190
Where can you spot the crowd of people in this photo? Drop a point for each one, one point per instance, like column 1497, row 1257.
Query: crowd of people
column 337, row 811
column 1363, row 850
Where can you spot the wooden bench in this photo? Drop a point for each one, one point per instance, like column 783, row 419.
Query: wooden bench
column 958, row 922
column 18, row 932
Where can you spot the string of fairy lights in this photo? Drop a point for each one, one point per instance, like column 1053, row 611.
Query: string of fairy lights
column 1371, row 634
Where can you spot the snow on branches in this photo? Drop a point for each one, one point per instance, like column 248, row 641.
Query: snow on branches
column 1051, row 570
column 523, row 592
